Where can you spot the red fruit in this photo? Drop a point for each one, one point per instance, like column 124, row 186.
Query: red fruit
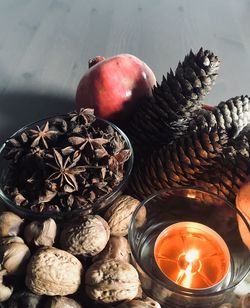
column 208, row 107
column 114, row 86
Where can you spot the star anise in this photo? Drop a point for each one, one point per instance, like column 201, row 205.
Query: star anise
column 118, row 142
column 37, row 151
column 42, row 135
column 59, row 123
column 96, row 144
column 83, row 117
column 66, row 163
column 15, row 147
column 18, row 197
column 66, row 171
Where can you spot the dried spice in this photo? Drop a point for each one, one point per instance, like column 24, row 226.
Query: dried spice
column 41, row 135
column 66, row 163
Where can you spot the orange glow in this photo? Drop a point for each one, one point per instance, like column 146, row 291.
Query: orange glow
column 243, row 205
column 192, row 255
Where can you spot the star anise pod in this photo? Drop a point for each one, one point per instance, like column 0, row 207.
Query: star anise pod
column 65, row 171
column 96, row 144
column 65, row 163
column 47, row 196
column 42, row 135
column 59, row 123
column 18, row 197
column 37, row 151
column 83, row 117
column 118, row 142
column 15, row 147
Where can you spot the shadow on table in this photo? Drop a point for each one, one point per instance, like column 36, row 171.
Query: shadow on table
column 19, row 109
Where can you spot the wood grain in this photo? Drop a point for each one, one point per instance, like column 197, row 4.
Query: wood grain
column 45, row 46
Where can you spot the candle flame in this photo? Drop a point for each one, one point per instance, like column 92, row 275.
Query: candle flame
column 188, row 279
column 192, row 255
column 185, row 275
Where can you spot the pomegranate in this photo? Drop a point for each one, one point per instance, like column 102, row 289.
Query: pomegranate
column 114, row 86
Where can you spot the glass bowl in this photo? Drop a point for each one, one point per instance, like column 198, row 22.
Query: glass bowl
column 184, row 205
column 100, row 205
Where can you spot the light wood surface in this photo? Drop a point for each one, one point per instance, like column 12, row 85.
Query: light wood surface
column 45, row 46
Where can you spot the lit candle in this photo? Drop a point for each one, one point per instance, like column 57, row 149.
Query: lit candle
column 192, row 255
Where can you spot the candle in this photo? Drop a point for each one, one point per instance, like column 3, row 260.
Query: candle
column 192, row 255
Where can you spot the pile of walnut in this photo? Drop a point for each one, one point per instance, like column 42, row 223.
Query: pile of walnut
column 87, row 258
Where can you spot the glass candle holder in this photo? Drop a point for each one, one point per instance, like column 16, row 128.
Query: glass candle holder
column 100, row 205
column 187, row 248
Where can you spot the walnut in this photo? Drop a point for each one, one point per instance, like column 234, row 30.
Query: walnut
column 86, row 237
column 116, row 248
column 52, row 271
column 10, row 239
column 119, row 215
column 5, row 291
column 41, row 233
column 244, row 301
column 110, row 281
column 62, row 302
column 21, row 299
column 140, row 303
column 14, row 256
column 10, row 224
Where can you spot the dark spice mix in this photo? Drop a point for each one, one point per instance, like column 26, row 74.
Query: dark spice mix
column 66, row 163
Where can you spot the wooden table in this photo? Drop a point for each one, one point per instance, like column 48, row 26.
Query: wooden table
column 45, row 46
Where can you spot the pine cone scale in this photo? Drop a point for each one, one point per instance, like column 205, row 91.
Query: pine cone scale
column 178, row 97
column 189, row 158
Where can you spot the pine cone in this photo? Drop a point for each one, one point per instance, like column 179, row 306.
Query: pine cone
column 184, row 160
column 225, row 178
column 174, row 102
column 229, row 173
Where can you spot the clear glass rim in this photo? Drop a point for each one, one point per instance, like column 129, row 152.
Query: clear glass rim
column 10, row 204
column 183, row 291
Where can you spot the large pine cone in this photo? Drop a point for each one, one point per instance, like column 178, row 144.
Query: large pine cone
column 225, row 178
column 186, row 159
column 174, row 102
column 231, row 171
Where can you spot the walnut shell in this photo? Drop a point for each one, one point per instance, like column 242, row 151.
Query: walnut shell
column 119, row 214
column 140, row 303
column 21, row 299
column 116, row 248
column 52, row 271
column 110, row 281
column 41, row 233
column 87, row 237
column 5, row 291
column 10, row 239
column 244, row 301
column 10, row 224
column 14, row 257
column 62, row 302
